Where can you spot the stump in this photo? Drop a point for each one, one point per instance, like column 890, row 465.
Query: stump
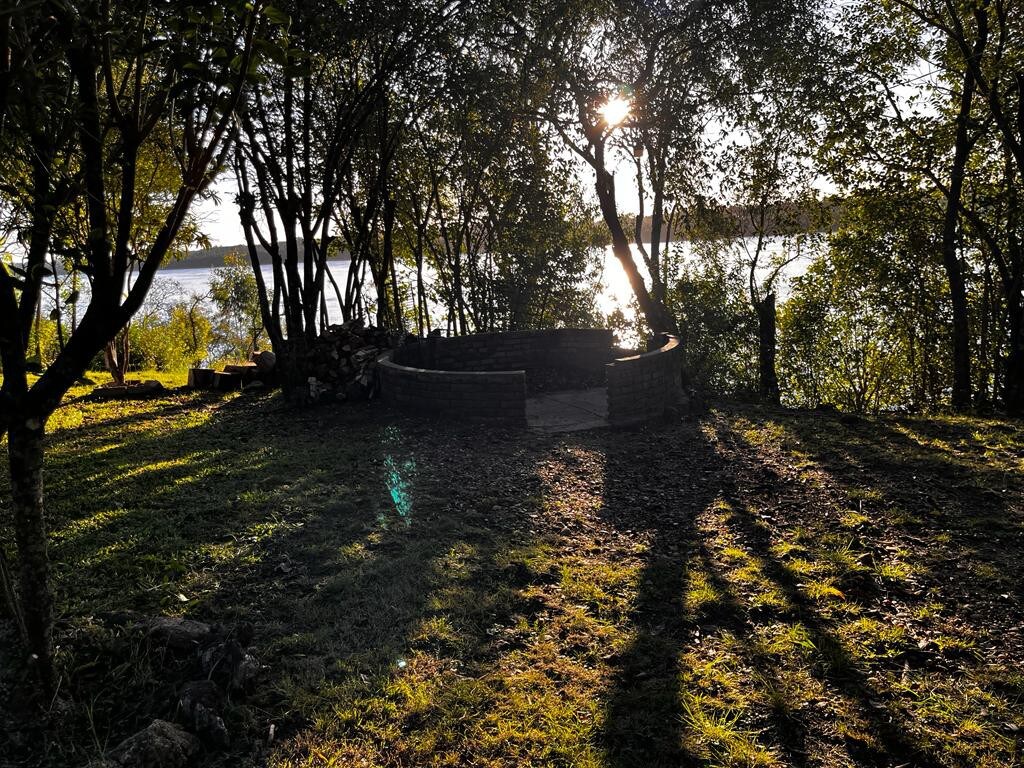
column 201, row 378
column 224, row 381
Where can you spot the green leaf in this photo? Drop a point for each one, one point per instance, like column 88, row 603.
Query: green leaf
column 277, row 16
column 272, row 51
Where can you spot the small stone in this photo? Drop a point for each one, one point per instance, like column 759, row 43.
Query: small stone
column 177, row 633
column 245, row 674
column 201, row 703
column 159, row 745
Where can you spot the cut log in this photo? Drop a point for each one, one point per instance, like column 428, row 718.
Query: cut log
column 242, row 368
column 201, row 378
column 225, row 381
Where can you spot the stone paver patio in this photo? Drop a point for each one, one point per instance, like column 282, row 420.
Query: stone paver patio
column 570, row 410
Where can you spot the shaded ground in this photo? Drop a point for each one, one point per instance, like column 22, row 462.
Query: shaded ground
column 753, row 588
column 569, row 410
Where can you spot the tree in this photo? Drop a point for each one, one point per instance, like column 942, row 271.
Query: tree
column 117, row 72
column 234, row 291
column 928, row 92
column 630, row 81
column 299, row 130
column 767, row 188
column 867, row 325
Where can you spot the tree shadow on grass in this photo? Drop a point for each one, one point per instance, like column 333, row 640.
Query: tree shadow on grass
column 936, row 483
column 888, row 731
column 390, row 571
column 688, row 611
column 655, row 485
column 331, row 532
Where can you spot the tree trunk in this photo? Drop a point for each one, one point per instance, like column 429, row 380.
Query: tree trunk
column 389, row 257
column 116, row 355
column 950, row 257
column 658, row 318
column 25, row 449
column 1013, row 369
column 293, row 367
column 769, row 381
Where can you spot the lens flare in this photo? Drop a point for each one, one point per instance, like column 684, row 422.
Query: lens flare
column 614, row 111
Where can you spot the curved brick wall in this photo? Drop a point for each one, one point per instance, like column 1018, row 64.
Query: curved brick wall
column 483, row 376
column 582, row 349
column 499, row 395
column 643, row 387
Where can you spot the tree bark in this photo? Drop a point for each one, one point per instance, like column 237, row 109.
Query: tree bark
column 658, row 318
column 25, row 450
column 1013, row 367
column 950, row 258
column 767, row 377
column 116, row 356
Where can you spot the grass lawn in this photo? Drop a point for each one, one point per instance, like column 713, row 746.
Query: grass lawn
column 755, row 587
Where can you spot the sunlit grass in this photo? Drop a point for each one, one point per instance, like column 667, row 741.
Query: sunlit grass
column 772, row 593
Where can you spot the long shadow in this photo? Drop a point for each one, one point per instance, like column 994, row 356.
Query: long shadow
column 655, row 485
column 841, row 672
column 329, row 532
column 340, row 535
column 654, row 488
column 911, row 465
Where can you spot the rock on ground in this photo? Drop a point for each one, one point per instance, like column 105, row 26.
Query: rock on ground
column 159, row 745
column 202, row 702
column 179, row 634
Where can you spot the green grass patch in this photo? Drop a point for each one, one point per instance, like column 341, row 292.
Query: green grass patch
column 755, row 588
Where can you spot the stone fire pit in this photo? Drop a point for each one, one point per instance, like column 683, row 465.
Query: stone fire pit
column 530, row 377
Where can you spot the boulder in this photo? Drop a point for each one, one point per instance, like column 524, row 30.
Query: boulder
column 265, row 361
column 159, row 745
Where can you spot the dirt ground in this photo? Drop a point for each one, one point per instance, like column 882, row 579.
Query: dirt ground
column 751, row 587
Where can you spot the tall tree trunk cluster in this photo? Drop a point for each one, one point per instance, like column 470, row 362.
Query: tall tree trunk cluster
column 55, row 61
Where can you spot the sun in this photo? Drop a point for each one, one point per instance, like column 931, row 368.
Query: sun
column 614, row 111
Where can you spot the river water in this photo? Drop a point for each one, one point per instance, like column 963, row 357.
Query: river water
column 178, row 283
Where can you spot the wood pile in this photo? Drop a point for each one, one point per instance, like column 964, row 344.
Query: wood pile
column 343, row 361
column 259, row 372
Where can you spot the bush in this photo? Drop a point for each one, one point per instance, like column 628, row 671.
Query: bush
column 171, row 340
column 717, row 327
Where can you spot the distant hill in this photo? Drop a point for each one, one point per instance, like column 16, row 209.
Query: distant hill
column 731, row 221
column 736, row 221
column 214, row 257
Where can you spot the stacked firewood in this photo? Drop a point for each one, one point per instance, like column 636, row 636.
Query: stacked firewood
column 343, row 360
column 341, row 363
